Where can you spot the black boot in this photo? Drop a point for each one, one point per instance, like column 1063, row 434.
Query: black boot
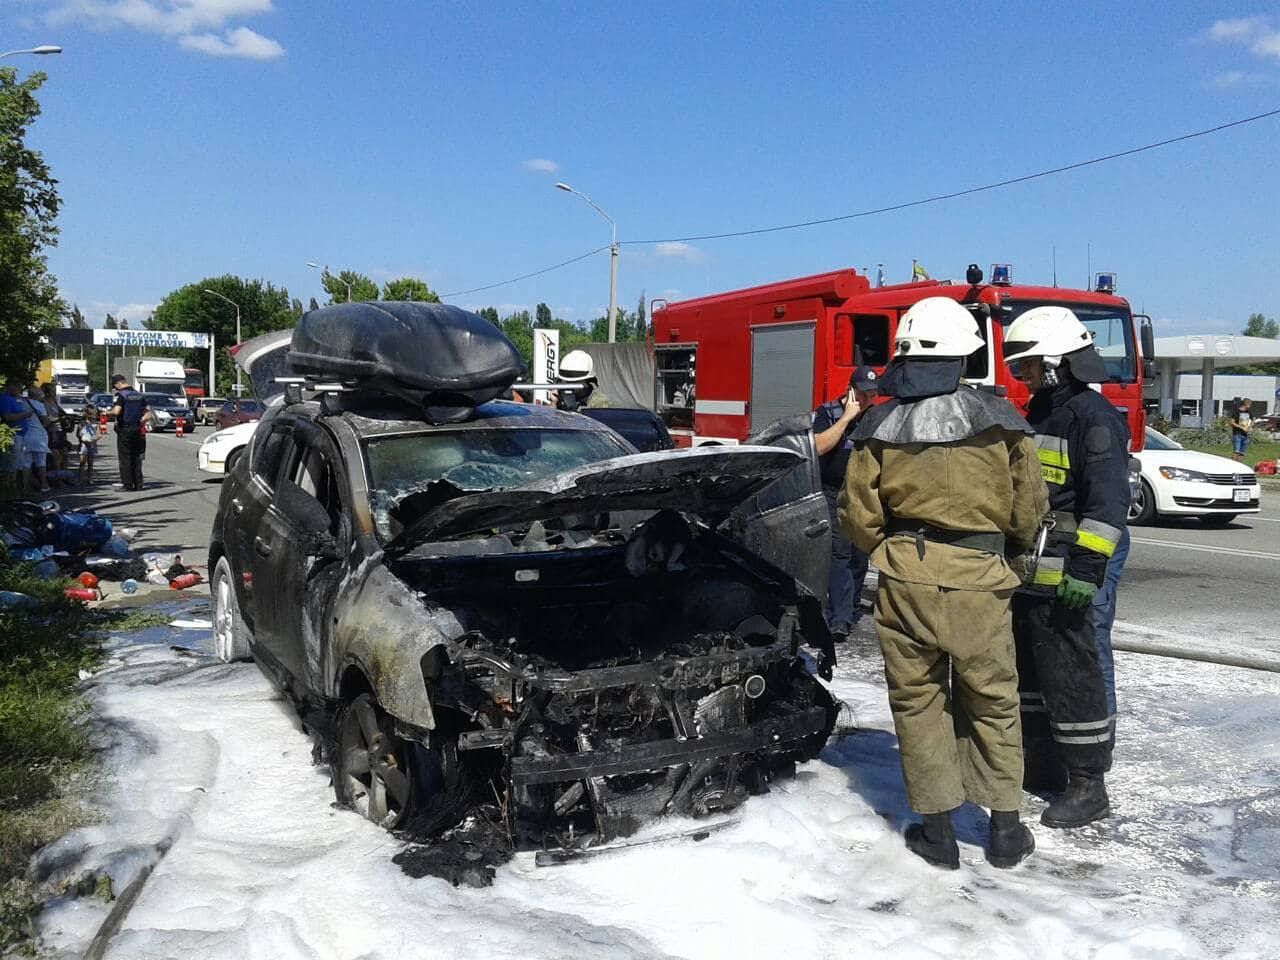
column 934, row 841
column 1084, row 801
column 1042, row 771
column 1011, row 840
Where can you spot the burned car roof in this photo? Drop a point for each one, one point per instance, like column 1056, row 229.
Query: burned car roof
column 385, row 417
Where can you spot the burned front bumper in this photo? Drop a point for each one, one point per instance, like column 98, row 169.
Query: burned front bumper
column 769, row 736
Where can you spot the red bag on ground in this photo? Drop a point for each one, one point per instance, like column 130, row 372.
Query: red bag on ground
column 1265, row 468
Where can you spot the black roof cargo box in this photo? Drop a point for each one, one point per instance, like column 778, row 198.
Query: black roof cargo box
column 445, row 358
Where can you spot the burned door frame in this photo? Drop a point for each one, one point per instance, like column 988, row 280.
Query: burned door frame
column 778, row 385
column 303, row 585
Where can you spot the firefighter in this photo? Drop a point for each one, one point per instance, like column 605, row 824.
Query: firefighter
column 1083, row 447
column 578, row 367
column 832, row 424
column 942, row 482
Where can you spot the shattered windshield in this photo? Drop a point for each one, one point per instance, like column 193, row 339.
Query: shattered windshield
column 468, row 461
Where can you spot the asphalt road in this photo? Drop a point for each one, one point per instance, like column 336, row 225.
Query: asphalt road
column 174, row 510
column 1213, row 587
column 1219, row 588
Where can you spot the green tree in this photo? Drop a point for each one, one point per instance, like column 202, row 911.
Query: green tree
column 29, row 203
column 542, row 314
column 110, row 323
column 262, row 308
column 491, row 314
column 1260, row 326
column 76, row 320
column 336, row 284
column 409, row 288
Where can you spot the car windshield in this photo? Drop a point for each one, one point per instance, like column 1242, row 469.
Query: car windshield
column 472, row 460
column 163, row 400
column 167, row 389
column 73, row 379
column 1112, row 329
column 1158, row 441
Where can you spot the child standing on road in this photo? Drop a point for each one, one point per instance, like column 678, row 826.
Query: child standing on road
column 87, row 431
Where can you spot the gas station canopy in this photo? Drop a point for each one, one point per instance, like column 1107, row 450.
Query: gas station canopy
column 1204, row 353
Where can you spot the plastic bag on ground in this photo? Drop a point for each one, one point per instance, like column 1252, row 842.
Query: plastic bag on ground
column 10, row 600
column 115, row 547
column 46, row 569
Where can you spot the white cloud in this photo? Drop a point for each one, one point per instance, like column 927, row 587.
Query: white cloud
column 192, row 22
column 677, row 250
column 1254, row 33
column 1231, row 79
column 240, row 42
column 95, row 311
column 1239, row 30
column 541, row 165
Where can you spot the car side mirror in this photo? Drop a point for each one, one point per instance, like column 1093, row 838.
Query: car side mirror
column 1148, row 371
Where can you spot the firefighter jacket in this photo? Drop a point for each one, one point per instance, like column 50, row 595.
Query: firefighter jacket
column 961, row 462
column 1083, row 446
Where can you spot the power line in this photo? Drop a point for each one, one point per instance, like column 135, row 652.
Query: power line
column 889, row 209
column 527, row 276
column 967, row 192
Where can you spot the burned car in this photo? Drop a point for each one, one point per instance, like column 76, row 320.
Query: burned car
column 485, row 608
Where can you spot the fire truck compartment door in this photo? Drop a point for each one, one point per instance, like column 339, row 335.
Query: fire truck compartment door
column 787, row 522
column 781, row 371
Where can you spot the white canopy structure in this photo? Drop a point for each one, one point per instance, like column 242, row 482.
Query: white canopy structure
column 1205, row 353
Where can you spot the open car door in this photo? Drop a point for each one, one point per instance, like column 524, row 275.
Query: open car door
column 787, row 521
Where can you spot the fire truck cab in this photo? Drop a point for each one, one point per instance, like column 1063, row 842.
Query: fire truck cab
column 727, row 364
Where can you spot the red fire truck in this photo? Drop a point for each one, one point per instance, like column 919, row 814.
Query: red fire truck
column 729, row 363
column 193, row 388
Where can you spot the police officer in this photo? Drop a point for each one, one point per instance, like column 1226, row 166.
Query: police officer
column 832, row 424
column 578, row 367
column 942, row 482
column 1083, row 446
column 132, row 414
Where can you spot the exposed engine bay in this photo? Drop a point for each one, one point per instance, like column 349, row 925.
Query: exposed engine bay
column 605, row 676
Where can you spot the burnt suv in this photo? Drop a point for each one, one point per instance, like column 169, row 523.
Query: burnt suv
column 490, row 606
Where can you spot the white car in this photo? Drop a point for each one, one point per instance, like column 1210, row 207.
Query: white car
column 1178, row 482
column 220, row 450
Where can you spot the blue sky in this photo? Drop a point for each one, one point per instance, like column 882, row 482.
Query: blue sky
column 196, row 137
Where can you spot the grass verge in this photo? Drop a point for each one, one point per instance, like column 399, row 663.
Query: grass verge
column 43, row 736
column 1258, row 450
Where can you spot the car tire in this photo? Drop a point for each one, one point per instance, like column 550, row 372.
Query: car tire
column 232, row 459
column 386, row 779
column 1143, row 510
column 1217, row 519
column 231, row 635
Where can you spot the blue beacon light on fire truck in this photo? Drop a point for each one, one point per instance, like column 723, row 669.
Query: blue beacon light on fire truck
column 1001, row 274
column 1104, row 283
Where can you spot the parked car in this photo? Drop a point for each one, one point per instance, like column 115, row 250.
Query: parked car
column 1179, row 482
column 237, row 411
column 643, row 429
column 205, row 409
column 481, row 599
column 103, row 402
column 220, row 450
column 166, row 410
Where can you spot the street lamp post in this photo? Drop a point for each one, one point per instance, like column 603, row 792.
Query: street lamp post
column 324, row 272
column 38, row 51
column 613, row 260
column 215, row 293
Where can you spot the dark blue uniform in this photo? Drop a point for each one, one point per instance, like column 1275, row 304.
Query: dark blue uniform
column 848, row 567
column 131, row 442
column 1083, row 445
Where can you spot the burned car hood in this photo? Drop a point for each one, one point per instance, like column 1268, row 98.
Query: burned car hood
column 707, row 482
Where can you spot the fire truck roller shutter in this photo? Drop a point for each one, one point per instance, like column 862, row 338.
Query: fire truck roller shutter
column 781, row 371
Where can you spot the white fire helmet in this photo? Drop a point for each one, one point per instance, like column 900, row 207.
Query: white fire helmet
column 1048, row 332
column 577, row 367
column 937, row 327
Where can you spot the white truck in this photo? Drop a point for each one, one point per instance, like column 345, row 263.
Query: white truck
column 152, row 375
column 70, row 379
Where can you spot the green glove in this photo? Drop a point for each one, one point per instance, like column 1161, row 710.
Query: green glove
column 1075, row 594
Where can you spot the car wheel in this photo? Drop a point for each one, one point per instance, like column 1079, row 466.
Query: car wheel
column 380, row 775
column 1143, row 509
column 232, row 458
column 1217, row 519
column 230, row 634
